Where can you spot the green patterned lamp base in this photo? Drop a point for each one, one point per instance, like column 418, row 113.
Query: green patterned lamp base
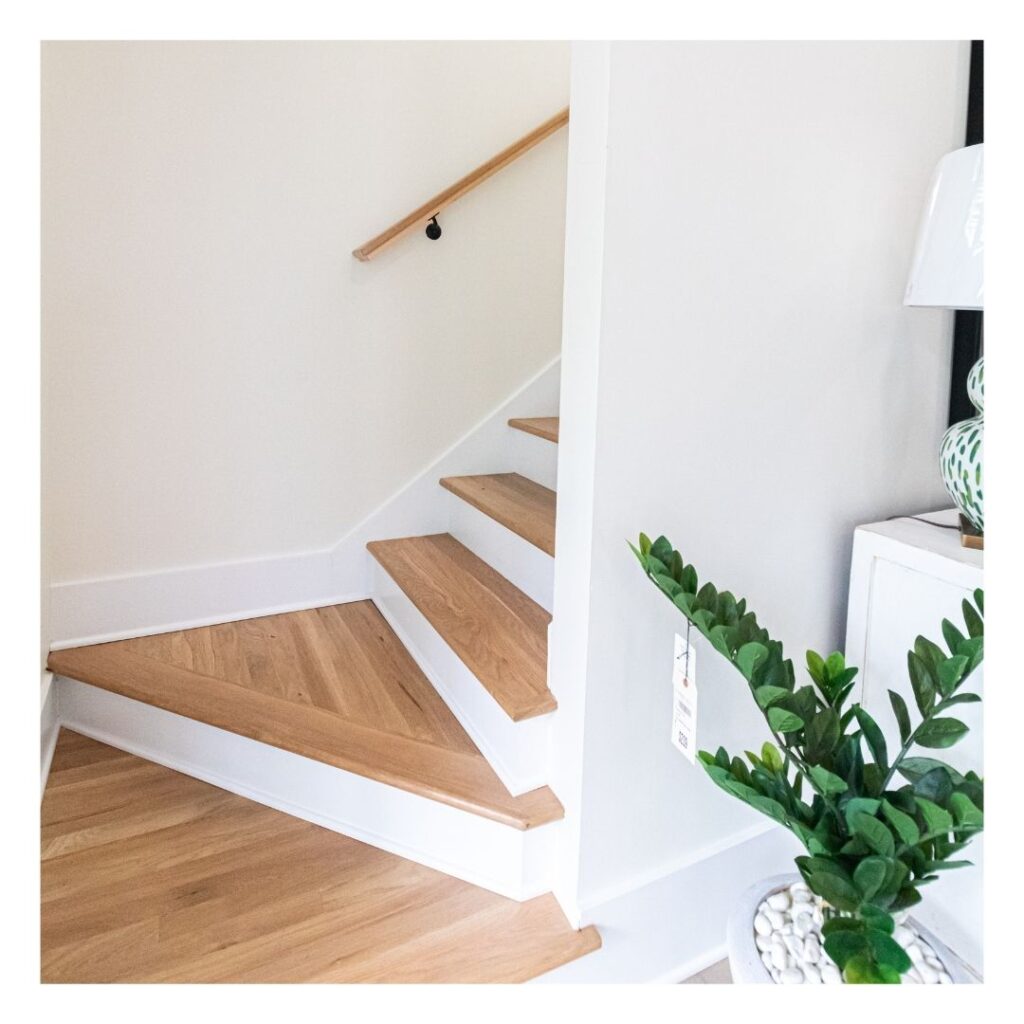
column 961, row 457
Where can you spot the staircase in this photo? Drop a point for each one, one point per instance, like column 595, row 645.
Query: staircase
column 416, row 721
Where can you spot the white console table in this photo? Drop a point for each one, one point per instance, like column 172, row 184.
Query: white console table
column 905, row 578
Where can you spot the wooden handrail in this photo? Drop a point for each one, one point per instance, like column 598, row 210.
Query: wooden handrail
column 422, row 215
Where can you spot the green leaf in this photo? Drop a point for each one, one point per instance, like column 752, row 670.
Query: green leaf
column 689, row 580
column 834, row 664
column 826, row 781
column 662, row 550
column 979, row 600
column 899, row 709
column 869, row 875
column 903, row 824
column 822, row 734
column 965, row 812
column 953, row 637
column 784, row 721
column 915, row 768
column 937, row 820
column 951, row 671
column 973, row 621
column 874, row 833
column 875, row 739
column 874, row 917
column 961, row 698
column 921, row 681
column 938, row 733
column 887, row 951
column 766, row 696
column 844, row 945
column 749, row 656
column 816, row 667
column 645, row 544
column 771, row 757
column 719, row 640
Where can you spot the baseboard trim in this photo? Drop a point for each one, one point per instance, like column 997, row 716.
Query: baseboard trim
column 671, row 928
column 497, row 857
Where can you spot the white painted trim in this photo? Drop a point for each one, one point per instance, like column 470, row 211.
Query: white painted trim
column 672, row 867
column 48, row 729
column 505, row 860
column 675, row 926
column 115, row 608
column 517, row 751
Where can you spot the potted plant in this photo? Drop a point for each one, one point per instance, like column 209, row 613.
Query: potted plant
column 876, row 827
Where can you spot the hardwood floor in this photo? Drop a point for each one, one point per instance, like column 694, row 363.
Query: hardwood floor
column 524, row 507
column 542, row 426
column 149, row 875
column 334, row 684
column 494, row 628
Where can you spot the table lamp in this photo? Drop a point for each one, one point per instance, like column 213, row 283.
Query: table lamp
column 948, row 272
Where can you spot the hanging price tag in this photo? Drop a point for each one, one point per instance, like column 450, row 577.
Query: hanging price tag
column 684, row 698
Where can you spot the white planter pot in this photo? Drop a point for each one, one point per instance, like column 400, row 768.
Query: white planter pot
column 745, row 958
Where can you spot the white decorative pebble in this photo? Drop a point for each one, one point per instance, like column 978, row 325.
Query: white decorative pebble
column 787, row 933
column 830, row 974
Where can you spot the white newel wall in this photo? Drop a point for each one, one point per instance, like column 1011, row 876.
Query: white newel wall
column 745, row 379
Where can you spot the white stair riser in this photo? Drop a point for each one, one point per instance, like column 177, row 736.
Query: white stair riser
column 533, row 457
column 522, row 564
column 517, row 751
column 506, row 860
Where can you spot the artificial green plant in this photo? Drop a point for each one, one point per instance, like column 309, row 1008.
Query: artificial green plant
column 875, row 828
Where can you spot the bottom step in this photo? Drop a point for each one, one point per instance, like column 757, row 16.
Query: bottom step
column 150, row 876
column 514, row 862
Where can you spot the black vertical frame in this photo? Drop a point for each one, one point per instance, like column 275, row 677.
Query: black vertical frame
column 967, row 327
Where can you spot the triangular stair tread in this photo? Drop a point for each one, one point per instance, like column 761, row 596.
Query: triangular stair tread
column 541, row 426
column 493, row 627
column 524, row 507
column 332, row 684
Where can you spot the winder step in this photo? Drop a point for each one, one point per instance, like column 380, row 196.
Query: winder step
column 524, row 507
column 494, row 628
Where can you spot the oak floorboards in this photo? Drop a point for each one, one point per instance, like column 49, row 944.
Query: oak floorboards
column 523, row 506
column 333, row 684
column 499, row 633
column 152, row 876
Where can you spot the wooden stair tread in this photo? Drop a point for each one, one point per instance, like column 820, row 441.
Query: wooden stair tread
column 159, row 877
column 494, row 628
column 524, row 507
column 395, row 728
column 541, row 426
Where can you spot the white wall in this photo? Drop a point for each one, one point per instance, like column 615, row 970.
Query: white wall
column 222, row 380
column 757, row 388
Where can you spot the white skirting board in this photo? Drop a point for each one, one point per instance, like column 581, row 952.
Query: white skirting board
column 517, row 751
column 505, row 860
column 673, row 927
column 98, row 610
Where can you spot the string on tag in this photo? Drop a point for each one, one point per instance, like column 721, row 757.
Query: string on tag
column 686, row 670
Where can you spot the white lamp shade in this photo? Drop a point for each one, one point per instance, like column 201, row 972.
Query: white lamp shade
column 948, row 268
